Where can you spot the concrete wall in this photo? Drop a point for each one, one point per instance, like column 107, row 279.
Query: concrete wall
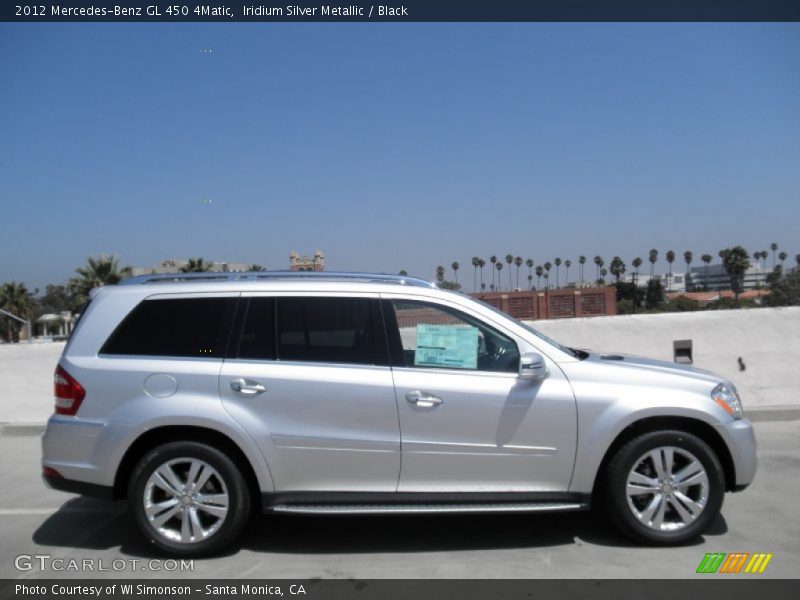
column 768, row 340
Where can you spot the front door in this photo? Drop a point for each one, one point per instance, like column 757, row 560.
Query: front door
column 468, row 422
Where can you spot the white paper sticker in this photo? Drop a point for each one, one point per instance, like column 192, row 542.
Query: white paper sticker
column 453, row 346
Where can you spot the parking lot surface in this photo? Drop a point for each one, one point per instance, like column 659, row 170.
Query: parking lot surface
column 39, row 522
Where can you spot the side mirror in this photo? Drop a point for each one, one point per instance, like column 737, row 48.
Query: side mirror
column 532, row 367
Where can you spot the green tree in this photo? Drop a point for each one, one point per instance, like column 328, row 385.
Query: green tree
column 539, row 272
column 653, row 258
column 785, row 291
column 481, row 264
column 557, row 262
column 598, row 262
column 567, row 265
column 455, row 266
column 403, row 273
column 196, row 265
column 493, row 260
column 736, row 262
column 475, row 263
column 16, row 299
column 440, row 274
column 603, row 273
column 499, row 267
column 518, row 264
column 654, row 295
column 782, row 256
column 547, row 267
column 617, row 267
column 581, row 262
column 706, row 258
column 99, row 270
column 510, row 261
column 670, row 259
column 529, row 264
column 256, row 268
column 636, row 262
column 774, row 247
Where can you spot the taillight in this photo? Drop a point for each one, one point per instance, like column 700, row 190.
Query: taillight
column 69, row 393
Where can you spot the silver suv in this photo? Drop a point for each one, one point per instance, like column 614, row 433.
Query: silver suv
column 198, row 398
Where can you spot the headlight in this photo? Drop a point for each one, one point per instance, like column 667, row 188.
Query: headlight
column 728, row 398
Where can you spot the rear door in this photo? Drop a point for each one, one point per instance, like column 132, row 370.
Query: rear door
column 308, row 378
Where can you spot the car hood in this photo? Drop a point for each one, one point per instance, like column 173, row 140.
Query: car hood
column 657, row 366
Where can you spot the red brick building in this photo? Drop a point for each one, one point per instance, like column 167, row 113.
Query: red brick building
column 554, row 304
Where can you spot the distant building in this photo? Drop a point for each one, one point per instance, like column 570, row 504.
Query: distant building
column 718, row 278
column 674, row 282
column 171, row 265
column 314, row 263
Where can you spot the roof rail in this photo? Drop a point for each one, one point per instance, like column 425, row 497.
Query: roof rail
column 212, row 276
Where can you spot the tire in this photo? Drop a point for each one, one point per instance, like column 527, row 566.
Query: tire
column 189, row 499
column 669, row 502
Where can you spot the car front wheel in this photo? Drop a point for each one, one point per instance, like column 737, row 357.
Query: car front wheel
column 664, row 487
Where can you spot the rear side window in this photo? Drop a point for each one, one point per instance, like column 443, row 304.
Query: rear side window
column 257, row 338
column 339, row 330
column 189, row 327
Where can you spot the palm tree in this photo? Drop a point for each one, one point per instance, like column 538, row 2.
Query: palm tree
column 256, row 268
column 706, row 258
column 530, row 281
column 567, row 264
column 499, row 267
column 617, row 267
column 653, row 257
column 481, row 264
column 558, row 266
column 518, row 264
column 774, row 247
column 99, row 270
column 783, row 256
column 603, row 273
column 493, row 260
column 756, row 257
column 670, row 260
column 540, row 270
column 440, row 274
column 483, row 287
column 687, row 257
column 529, row 264
column 636, row 262
column 455, row 267
column 475, row 262
column 797, row 259
column 736, row 264
column 16, row 299
column 510, row 261
column 581, row 262
column 547, row 267
column 196, row 265
column 598, row 262
column 403, row 273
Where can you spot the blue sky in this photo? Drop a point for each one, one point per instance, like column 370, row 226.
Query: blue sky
column 394, row 146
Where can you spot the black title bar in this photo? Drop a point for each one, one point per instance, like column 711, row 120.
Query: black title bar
column 402, row 11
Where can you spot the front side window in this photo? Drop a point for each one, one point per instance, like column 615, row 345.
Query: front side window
column 435, row 336
column 184, row 327
column 338, row 330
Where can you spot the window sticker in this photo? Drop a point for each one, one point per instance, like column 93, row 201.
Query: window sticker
column 453, row 346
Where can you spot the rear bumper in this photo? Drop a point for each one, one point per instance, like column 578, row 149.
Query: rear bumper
column 106, row 492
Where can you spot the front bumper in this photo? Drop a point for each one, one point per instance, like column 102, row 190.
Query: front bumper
column 741, row 441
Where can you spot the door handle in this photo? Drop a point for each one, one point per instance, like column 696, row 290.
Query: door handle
column 423, row 399
column 247, row 387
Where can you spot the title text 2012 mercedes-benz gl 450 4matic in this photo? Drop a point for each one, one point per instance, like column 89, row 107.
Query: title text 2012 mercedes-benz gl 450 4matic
column 200, row 398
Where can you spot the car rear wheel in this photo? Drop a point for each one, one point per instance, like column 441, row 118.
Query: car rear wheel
column 189, row 498
column 664, row 487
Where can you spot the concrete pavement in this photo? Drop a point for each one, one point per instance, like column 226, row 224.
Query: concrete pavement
column 35, row 520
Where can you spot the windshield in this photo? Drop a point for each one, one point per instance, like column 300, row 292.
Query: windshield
column 535, row 332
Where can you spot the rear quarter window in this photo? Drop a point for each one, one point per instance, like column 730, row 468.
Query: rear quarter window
column 185, row 327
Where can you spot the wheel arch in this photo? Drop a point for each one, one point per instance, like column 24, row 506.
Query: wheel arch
column 182, row 433
column 699, row 428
